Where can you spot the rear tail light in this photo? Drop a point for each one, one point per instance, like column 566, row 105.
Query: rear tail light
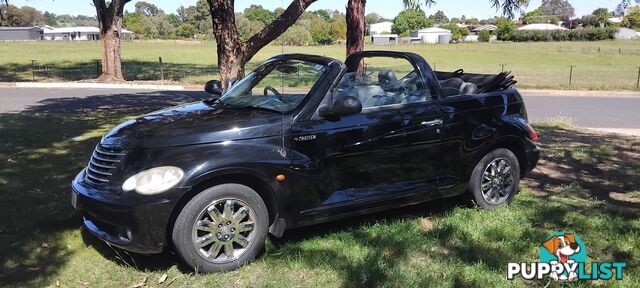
column 532, row 133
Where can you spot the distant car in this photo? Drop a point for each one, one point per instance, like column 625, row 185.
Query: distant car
column 303, row 140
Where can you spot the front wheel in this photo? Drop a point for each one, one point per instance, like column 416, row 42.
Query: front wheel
column 495, row 179
column 221, row 228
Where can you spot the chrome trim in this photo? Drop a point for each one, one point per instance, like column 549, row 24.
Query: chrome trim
column 99, row 172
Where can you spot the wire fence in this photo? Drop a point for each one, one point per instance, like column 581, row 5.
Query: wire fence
column 557, row 75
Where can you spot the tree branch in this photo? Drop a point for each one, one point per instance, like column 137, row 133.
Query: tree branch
column 277, row 27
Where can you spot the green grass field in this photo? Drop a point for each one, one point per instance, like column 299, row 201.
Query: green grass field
column 607, row 65
column 586, row 182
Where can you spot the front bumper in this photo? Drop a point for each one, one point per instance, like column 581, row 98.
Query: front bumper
column 126, row 220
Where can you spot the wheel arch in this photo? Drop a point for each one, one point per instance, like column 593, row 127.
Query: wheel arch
column 257, row 183
column 516, row 146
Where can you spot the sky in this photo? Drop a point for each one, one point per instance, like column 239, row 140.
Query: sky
column 387, row 8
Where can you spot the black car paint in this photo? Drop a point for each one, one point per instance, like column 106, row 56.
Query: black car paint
column 378, row 159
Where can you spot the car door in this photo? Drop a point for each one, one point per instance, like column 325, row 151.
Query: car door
column 363, row 160
column 345, row 162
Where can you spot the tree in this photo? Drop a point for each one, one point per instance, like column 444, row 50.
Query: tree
column 158, row 26
column 536, row 16
column 602, row 14
column 186, row 30
column 338, row 26
column 356, row 28
column 257, row 13
column 147, row 9
column 373, row 18
column 457, row 33
column 324, row 14
column 233, row 53
column 560, row 8
column 505, row 30
column 133, row 22
column 439, row 17
column 110, row 18
column 410, row 20
column 632, row 20
column 50, row 18
column 484, row 36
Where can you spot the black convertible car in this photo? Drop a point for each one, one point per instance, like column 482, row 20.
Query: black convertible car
column 302, row 140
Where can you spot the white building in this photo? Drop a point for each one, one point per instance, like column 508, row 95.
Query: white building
column 431, row 35
column 80, row 33
column 542, row 26
column 385, row 39
column 380, row 28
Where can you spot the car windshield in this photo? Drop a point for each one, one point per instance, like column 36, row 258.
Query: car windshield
column 277, row 85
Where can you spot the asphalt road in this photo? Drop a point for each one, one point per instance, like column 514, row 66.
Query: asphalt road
column 616, row 113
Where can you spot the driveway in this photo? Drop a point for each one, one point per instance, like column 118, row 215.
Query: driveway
column 619, row 113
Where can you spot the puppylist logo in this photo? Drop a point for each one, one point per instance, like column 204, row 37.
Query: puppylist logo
column 563, row 257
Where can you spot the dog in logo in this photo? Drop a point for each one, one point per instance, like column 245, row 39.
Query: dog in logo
column 563, row 247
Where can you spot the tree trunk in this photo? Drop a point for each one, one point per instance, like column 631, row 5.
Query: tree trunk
column 110, row 20
column 355, row 25
column 356, row 28
column 233, row 54
column 111, row 62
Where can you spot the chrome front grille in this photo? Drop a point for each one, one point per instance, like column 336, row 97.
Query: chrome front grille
column 103, row 161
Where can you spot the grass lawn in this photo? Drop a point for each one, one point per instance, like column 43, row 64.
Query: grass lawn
column 606, row 65
column 586, row 182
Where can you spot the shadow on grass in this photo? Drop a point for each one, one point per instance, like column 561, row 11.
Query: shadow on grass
column 41, row 151
column 598, row 165
column 132, row 70
column 40, row 159
column 119, row 104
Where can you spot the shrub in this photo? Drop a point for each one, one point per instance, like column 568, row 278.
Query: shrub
column 589, row 34
column 505, row 30
column 484, row 36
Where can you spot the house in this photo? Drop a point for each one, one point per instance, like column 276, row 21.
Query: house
column 542, row 26
column 489, row 27
column 79, row 33
column 380, row 28
column 20, row 33
column 385, row 39
column 431, row 35
column 615, row 20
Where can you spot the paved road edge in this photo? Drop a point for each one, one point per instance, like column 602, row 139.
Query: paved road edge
column 98, row 86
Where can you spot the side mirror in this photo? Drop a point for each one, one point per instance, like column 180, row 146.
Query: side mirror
column 214, row 87
column 343, row 106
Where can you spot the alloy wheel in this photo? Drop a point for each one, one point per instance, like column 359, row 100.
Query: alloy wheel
column 223, row 230
column 497, row 181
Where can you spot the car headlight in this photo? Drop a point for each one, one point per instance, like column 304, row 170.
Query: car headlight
column 153, row 181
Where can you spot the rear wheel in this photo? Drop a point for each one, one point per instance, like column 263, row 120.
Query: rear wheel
column 495, row 179
column 221, row 228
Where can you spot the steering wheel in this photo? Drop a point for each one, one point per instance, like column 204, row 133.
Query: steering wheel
column 275, row 93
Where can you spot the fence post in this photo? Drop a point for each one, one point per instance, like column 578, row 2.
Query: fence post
column 98, row 67
column 502, row 66
column 638, row 83
column 161, row 71
column 571, row 75
column 33, row 70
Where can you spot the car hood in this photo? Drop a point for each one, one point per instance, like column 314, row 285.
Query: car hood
column 195, row 123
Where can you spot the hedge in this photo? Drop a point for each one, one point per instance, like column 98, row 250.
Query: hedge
column 588, row 34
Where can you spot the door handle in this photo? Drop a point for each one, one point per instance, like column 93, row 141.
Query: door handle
column 432, row 123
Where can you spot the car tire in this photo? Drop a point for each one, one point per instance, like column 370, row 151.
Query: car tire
column 223, row 215
column 492, row 184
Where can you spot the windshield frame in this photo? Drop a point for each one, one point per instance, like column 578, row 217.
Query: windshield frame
column 303, row 102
